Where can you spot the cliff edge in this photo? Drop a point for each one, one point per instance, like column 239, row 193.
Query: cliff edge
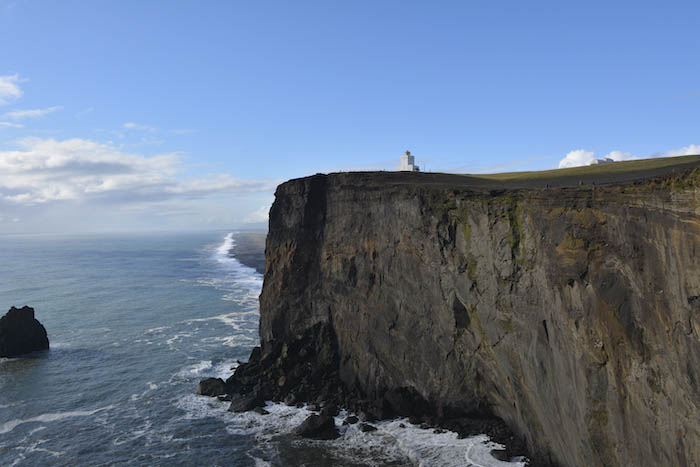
column 567, row 304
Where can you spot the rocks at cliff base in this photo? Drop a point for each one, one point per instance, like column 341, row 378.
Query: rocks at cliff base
column 330, row 409
column 246, row 402
column 366, row 427
column 261, row 411
column 351, row 420
column 211, row 387
column 21, row 333
column 318, row 427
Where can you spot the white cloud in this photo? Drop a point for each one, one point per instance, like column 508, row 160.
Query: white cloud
column 46, row 170
column 580, row 157
column 577, row 157
column 31, row 113
column 259, row 215
column 689, row 150
column 11, row 125
column 9, row 90
column 620, row 156
column 138, row 127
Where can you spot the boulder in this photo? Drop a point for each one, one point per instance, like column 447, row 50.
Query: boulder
column 21, row 333
column 261, row 411
column 366, row 427
column 211, row 387
column 244, row 403
column 318, row 427
column 351, row 420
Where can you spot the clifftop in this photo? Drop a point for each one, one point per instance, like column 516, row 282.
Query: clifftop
column 618, row 173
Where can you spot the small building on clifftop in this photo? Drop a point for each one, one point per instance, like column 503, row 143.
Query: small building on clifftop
column 408, row 163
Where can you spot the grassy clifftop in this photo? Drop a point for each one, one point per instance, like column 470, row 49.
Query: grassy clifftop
column 604, row 174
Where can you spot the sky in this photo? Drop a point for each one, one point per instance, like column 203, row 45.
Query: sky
column 185, row 115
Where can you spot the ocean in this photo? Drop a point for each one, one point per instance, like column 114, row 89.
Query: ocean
column 134, row 322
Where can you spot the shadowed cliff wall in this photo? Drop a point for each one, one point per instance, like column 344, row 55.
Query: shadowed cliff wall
column 571, row 313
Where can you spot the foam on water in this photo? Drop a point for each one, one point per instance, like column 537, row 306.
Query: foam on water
column 247, row 280
column 49, row 417
column 427, row 448
column 392, row 443
column 223, row 250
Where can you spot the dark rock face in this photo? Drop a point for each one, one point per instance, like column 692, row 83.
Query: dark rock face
column 211, row 387
column 21, row 333
column 246, row 402
column 366, row 427
column 318, row 427
column 569, row 315
column 351, row 420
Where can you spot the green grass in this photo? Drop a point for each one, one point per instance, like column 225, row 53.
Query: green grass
column 587, row 170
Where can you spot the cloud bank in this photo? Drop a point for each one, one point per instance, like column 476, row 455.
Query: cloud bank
column 579, row 157
column 47, row 170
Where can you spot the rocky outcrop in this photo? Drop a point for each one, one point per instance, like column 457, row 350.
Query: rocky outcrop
column 318, row 427
column 211, row 387
column 21, row 333
column 571, row 313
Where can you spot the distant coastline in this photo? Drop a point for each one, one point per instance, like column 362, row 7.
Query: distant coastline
column 249, row 249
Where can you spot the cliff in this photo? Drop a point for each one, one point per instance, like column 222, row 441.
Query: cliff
column 567, row 304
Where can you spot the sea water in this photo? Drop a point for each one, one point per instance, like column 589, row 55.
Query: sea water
column 134, row 322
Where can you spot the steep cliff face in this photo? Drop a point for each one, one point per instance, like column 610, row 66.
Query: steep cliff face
column 572, row 313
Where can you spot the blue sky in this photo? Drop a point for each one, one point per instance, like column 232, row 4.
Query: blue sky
column 137, row 115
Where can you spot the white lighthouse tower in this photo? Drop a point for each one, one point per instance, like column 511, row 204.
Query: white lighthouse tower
column 408, row 163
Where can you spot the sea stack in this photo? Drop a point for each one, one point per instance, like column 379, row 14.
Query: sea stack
column 21, row 333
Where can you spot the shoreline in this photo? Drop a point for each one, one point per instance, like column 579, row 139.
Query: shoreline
column 249, row 250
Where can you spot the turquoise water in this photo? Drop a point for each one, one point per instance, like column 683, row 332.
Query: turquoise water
column 134, row 322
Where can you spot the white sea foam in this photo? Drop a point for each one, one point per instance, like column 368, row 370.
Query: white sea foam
column 232, row 340
column 222, row 252
column 37, row 429
column 427, row 449
column 6, row 406
column 245, row 275
column 231, row 319
column 390, row 443
column 197, row 407
column 151, row 387
column 132, row 435
column 172, row 340
column 195, row 369
column 259, row 462
column 239, row 283
column 49, row 417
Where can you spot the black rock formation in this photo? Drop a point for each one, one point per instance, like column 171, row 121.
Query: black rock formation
column 21, row 333
column 211, row 387
column 318, row 427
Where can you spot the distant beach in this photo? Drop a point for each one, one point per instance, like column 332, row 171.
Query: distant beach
column 249, row 249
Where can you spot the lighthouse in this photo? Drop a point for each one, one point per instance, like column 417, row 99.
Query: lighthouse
column 408, row 163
